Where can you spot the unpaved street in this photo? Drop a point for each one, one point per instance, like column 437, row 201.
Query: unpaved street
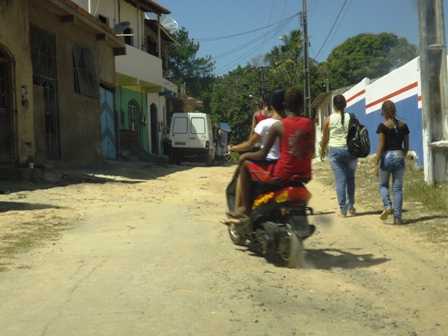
column 139, row 251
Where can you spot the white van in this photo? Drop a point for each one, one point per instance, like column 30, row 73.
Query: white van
column 192, row 137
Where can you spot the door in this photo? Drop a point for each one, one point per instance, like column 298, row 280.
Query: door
column 198, row 132
column 6, row 109
column 154, row 130
column 108, row 127
column 43, row 53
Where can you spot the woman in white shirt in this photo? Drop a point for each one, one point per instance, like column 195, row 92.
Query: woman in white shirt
column 261, row 130
column 344, row 165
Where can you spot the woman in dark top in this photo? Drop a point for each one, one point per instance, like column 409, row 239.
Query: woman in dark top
column 393, row 147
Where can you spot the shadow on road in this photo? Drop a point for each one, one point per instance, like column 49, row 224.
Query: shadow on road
column 424, row 219
column 110, row 172
column 22, row 206
column 327, row 259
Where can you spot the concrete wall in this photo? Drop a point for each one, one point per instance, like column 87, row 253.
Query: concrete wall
column 14, row 36
column 79, row 116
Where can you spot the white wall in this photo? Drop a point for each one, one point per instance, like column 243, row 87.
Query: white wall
column 118, row 11
column 398, row 85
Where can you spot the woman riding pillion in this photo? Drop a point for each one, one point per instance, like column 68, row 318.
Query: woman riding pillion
column 262, row 127
column 343, row 163
column 259, row 136
column 296, row 136
column 392, row 149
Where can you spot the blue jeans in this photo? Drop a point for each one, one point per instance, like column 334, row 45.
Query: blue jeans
column 392, row 164
column 344, row 168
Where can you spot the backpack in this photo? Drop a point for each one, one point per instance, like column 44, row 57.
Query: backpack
column 358, row 141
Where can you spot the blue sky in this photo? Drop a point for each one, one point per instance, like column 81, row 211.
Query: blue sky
column 214, row 18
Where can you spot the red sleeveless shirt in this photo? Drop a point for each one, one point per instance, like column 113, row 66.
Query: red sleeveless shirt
column 297, row 148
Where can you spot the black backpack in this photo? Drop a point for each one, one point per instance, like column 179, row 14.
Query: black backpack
column 358, row 141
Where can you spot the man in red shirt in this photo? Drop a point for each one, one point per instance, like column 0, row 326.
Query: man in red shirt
column 297, row 146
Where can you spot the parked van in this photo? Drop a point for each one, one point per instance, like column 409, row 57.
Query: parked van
column 192, row 137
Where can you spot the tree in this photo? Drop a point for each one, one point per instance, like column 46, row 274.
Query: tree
column 185, row 66
column 233, row 101
column 367, row 55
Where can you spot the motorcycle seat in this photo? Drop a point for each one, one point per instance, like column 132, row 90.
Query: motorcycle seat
column 274, row 185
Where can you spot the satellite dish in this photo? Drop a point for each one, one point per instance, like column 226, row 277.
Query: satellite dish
column 169, row 24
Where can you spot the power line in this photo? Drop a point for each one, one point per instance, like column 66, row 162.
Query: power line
column 224, row 37
column 249, row 43
column 332, row 28
column 254, row 50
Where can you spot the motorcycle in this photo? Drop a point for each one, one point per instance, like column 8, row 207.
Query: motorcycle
column 278, row 224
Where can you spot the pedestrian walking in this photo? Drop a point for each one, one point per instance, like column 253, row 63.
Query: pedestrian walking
column 343, row 164
column 390, row 160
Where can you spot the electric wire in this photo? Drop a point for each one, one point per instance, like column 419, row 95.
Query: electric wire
column 252, row 51
column 273, row 34
column 255, row 30
column 333, row 27
column 249, row 43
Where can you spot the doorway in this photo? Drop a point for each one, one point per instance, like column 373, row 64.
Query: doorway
column 43, row 54
column 7, row 134
column 154, row 129
column 108, row 125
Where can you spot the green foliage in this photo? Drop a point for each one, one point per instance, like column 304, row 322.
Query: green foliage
column 367, row 55
column 185, row 66
column 231, row 99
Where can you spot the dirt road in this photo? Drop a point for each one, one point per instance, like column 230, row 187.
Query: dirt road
column 140, row 251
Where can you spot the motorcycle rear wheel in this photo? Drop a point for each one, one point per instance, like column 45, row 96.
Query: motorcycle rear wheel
column 296, row 258
column 291, row 251
column 237, row 234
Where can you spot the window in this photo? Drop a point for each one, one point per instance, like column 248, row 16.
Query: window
column 103, row 19
column 128, row 36
column 43, row 54
column 133, row 112
column 180, row 125
column 198, row 125
column 86, row 81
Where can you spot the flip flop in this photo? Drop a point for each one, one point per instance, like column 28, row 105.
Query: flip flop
column 231, row 221
column 236, row 215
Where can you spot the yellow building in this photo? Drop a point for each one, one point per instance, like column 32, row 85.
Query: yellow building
column 57, row 82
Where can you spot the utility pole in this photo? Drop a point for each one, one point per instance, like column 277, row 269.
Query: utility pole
column 306, row 67
column 433, row 70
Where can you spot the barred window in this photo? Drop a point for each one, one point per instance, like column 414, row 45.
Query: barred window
column 86, row 81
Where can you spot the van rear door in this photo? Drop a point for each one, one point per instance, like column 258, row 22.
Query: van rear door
column 179, row 130
column 197, row 132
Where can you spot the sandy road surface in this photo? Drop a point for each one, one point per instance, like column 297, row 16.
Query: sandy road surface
column 143, row 254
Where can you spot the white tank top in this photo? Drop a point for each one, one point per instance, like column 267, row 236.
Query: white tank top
column 338, row 132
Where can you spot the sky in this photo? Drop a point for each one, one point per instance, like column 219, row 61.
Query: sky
column 206, row 19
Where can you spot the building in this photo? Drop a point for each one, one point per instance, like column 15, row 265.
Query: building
column 57, row 77
column 364, row 99
column 141, row 84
